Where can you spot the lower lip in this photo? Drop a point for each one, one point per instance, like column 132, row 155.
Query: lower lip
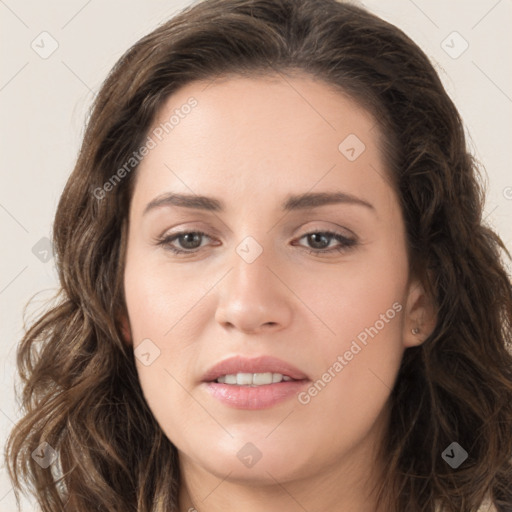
column 255, row 397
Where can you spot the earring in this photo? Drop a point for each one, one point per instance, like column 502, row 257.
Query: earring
column 415, row 330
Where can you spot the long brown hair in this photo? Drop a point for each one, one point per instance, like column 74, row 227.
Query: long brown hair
column 80, row 387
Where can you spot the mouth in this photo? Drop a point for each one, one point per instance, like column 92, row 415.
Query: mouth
column 253, row 379
column 238, row 370
column 257, row 383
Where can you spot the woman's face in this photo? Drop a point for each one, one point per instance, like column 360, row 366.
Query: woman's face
column 269, row 156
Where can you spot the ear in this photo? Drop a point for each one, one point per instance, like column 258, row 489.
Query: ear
column 125, row 328
column 420, row 315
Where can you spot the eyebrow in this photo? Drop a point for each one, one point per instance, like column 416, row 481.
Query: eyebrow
column 304, row 201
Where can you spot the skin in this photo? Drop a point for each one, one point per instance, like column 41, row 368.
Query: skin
column 251, row 142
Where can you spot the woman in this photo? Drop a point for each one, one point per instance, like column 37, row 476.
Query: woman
column 278, row 292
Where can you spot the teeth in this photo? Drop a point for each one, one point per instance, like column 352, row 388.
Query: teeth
column 253, row 379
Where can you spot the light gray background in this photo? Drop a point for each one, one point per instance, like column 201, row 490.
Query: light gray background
column 44, row 102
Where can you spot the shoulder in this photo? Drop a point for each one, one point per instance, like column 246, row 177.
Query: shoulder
column 486, row 506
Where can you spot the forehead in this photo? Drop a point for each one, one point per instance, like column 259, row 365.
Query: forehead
column 302, row 104
column 250, row 134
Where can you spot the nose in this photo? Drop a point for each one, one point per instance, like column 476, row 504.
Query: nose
column 254, row 298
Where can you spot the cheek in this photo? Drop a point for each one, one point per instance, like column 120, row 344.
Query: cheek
column 352, row 296
column 163, row 307
column 156, row 302
column 362, row 303
column 157, row 298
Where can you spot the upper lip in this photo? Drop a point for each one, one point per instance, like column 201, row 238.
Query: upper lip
column 262, row 364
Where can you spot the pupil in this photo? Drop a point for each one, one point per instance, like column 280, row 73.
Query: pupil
column 314, row 236
column 187, row 241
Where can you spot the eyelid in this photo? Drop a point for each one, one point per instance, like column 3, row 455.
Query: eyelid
column 213, row 232
column 345, row 243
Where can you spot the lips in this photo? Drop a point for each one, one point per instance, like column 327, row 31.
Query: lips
column 263, row 364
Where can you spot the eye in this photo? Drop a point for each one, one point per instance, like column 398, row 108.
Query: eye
column 188, row 239
column 190, row 242
column 320, row 240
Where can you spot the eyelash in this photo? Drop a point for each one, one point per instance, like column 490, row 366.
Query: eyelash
column 347, row 243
